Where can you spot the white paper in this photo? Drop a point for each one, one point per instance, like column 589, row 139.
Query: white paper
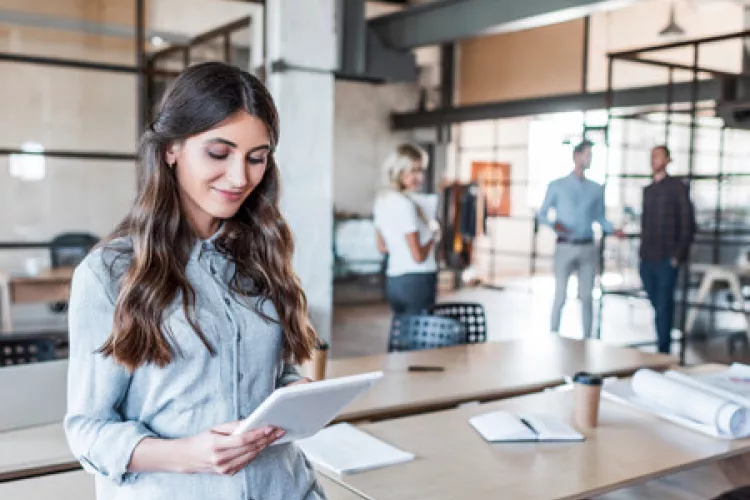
column 732, row 384
column 690, row 402
column 503, row 426
column 622, row 392
column 343, row 449
column 681, row 403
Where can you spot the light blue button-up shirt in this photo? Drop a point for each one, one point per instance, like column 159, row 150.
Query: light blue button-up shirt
column 578, row 203
column 110, row 410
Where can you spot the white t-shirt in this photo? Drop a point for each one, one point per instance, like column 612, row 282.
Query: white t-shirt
column 395, row 217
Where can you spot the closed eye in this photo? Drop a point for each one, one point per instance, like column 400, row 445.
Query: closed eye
column 217, row 156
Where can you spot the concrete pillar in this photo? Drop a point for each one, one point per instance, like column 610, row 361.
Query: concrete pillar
column 302, row 34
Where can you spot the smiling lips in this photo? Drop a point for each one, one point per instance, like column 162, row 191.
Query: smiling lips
column 229, row 195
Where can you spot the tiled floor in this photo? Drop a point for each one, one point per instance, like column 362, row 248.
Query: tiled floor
column 522, row 310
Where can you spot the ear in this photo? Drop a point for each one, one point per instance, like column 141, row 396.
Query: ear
column 172, row 154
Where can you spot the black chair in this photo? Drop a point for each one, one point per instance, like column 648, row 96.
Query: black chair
column 742, row 493
column 471, row 315
column 412, row 332
column 68, row 250
column 24, row 349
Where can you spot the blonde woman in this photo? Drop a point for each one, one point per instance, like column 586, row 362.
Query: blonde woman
column 408, row 232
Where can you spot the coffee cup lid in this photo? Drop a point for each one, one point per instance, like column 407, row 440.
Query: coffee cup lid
column 586, row 378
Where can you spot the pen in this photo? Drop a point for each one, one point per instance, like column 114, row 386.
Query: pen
column 414, row 368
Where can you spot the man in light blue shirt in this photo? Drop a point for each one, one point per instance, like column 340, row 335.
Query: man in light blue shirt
column 578, row 202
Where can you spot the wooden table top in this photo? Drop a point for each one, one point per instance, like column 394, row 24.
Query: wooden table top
column 79, row 485
column 40, row 451
column 57, row 275
column 453, row 461
column 34, row 451
column 482, row 372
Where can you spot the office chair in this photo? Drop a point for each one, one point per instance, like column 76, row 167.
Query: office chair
column 411, row 332
column 17, row 350
column 469, row 314
column 68, row 250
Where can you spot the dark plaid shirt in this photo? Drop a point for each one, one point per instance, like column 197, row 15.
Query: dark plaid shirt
column 666, row 221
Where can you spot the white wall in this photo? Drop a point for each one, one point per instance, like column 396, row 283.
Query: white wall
column 67, row 109
column 363, row 138
column 64, row 109
column 639, row 25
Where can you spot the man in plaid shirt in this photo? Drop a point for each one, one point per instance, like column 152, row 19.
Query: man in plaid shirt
column 666, row 234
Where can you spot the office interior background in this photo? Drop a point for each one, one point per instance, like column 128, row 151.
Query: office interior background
column 498, row 93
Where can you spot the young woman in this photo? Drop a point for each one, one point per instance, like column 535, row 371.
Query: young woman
column 407, row 232
column 190, row 315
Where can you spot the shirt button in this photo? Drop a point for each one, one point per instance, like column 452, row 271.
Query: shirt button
column 240, row 376
column 212, row 268
column 227, row 301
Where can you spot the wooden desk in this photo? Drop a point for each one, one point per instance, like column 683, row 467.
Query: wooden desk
column 79, row 485
column 482, row 372
column 33, row 452
column 453, row 461
column 51, row 285
column 29, row 456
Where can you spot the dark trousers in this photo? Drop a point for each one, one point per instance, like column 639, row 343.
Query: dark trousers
column 659, row 279
column 411, row 293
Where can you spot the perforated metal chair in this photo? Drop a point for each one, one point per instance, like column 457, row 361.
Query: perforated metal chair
column 471, row 315
column 412, row 332
column 68, row 250
column 18, row 350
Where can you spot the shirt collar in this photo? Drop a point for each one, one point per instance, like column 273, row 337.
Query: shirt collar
column 208, row 245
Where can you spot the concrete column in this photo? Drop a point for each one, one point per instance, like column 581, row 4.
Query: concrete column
column 302, row 34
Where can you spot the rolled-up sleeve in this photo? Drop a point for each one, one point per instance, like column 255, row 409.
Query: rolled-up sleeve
column 98, row 435
column 289, row 374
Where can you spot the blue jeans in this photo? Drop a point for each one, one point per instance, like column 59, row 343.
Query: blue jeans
column 411, row 293
column 659, row 279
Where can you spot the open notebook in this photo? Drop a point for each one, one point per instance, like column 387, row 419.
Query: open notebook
column 344, row 449
column 504, row 426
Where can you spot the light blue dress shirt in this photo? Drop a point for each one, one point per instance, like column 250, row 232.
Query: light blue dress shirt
column 578, row 203
column 110, row 410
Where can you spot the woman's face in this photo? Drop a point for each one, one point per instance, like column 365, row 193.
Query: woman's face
column 413, row 178
column 218, row 169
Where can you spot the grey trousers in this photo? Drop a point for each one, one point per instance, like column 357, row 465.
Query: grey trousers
column 584, row 260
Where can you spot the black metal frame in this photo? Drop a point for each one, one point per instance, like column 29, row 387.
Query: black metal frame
column 636, row 56
column 144, row 70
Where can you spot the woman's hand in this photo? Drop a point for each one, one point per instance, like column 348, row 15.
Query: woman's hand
column 216, row 451
column 437, row 233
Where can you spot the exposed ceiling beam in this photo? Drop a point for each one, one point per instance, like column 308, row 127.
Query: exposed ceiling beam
column 643, row 96
column 446, row 21
column 80, row 26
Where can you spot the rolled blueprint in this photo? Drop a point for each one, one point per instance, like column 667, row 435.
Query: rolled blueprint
column 680, row 399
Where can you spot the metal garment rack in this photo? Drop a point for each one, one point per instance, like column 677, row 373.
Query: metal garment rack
column 145, row 71
column 711, row 237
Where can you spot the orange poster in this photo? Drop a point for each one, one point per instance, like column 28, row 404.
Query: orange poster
column 493, row 179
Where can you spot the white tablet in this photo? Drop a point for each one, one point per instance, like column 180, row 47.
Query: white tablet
column 302, row 410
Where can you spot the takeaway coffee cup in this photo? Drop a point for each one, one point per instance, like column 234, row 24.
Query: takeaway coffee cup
column 320, row 360
column 587, row 389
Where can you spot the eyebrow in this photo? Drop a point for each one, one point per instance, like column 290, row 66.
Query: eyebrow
column 219, row 140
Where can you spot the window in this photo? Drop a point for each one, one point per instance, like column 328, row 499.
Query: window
column 30, row 166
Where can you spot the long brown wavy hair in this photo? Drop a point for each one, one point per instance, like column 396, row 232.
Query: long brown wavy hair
column 159, row 238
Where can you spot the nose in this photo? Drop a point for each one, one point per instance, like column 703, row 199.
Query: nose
column 236, row 173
